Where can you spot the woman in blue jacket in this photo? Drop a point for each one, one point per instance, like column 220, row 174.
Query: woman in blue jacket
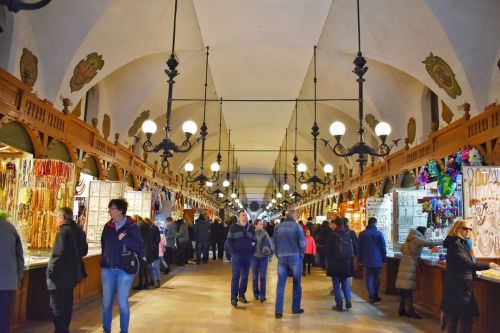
column 118, row 234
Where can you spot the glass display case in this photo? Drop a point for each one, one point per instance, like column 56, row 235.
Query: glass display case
column 139, row 203
column 381, row 209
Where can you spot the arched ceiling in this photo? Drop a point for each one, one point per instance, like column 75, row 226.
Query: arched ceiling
column 262, row 49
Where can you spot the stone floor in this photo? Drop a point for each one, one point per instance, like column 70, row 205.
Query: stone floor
column 196, row 299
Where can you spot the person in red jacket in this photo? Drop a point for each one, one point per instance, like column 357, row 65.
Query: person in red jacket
column 309, row 253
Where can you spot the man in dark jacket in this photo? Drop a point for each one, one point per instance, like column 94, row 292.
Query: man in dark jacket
column 201, row 236
column 340, row 251
column 241, row 244
column 371, row 253
column 290, row 245
column 12, row 263
column 147, row 258
column 218, row 236
column 182, row 237
column 65, row 264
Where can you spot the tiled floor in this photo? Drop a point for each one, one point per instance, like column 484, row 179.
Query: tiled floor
column 196, row 299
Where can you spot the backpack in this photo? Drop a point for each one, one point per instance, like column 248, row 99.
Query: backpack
column 344, row 249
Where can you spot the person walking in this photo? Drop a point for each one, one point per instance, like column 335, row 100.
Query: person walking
column 154, row 260
column 241, row 244
column 65, row 268
column 290, row 246
column 407, row 278
column 201, row 236
column 458, row 302
column 309, row 254
column 169, row 232
column 182, row 236
column 12, row 263
column 118, row 235
column 371, row 253
column 321, row 238
column 340, row 251
column 145, row 277
column 217, row 237
column 260, row 261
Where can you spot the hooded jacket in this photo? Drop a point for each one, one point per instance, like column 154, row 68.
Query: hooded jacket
column 458, row 298
column 412, row 249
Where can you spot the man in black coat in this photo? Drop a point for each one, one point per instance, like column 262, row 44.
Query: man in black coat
column 201, row 236
column 147, row 259
column 65, row 268
column 218, row 236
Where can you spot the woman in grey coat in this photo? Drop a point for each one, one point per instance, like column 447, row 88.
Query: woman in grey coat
column 407, row 279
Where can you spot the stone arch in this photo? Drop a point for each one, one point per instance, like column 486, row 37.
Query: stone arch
column 386, row 186
column 406, row 179
column 112, row 173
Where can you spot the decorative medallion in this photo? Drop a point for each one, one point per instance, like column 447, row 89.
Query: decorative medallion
column 371, row 121
column 254, row 206
column 443, row 75
column 411, row 130
column 106, row 126
column 446, row 114
column 138, row 123
column 85, row 71
column 28, row 67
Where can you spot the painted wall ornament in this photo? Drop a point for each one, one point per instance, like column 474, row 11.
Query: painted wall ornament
column 106, row 126
column 28, row 67
column 138, row 123
column 446, row 113
column 443, row 75
column 85, row 71
column 411, row 130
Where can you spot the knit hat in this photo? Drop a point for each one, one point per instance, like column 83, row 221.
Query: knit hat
column 422, row 230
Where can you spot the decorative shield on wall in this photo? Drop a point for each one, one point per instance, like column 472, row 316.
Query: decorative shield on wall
column 28, row 67
column 443, row 75
column 106, row 125
column 411, row 129
column 132, row 131
column 85, row 71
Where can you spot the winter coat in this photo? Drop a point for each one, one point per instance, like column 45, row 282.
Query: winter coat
column 182, row 232
column 338, row 267
column 112, row 247
column 371, row 247
column 412, row 248
column 169, row 232
column 460, row 269
column 241, row 240
column 201, row 230
column 217, row 232
column 310, row 246
column 147, row 241
column 259, row 236
column 69, row 248
column 12, row 259
column 155, row 242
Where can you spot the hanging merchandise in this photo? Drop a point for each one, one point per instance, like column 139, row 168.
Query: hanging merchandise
column 8, row 186
column 442, row 211
column 139, row 203
column 44, row 187
column 481, row 186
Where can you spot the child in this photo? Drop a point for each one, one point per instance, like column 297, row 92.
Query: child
column 309, row 253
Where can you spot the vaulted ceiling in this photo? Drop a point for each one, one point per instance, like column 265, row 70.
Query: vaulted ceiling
column 261, row 50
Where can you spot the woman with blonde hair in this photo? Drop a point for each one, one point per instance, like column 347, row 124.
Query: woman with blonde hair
column 458, row 302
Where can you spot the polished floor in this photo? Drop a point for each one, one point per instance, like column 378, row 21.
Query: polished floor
column 196, row 298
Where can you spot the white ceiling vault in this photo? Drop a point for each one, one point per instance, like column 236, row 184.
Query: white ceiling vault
column 261, row 49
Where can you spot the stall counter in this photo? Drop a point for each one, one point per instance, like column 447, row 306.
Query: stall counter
column 427, row 297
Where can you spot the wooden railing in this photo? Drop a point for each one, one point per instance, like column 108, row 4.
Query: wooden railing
column 18, row 103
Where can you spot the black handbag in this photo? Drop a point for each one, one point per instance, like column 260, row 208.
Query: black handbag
column 129, row 261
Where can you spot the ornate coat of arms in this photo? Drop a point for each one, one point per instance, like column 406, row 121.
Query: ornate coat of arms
column 85, row 71
column 443, row 75
column 28, row 67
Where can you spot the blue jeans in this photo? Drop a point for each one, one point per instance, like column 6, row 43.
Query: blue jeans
column 259, row 269
column 289, row 264
column 343, row 283
column 202, row 249
column 115, row 281
column 154, row 270
column 240, row 267
column 372, row 279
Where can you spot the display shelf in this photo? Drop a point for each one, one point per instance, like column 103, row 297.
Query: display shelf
column 139, row 203
column 381, row 209
column 492, row 275
column 100, row 193
column 408, row 212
